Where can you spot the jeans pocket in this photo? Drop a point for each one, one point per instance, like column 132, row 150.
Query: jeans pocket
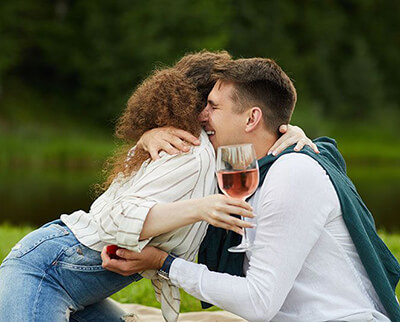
column 80, row 258
column 36, row 238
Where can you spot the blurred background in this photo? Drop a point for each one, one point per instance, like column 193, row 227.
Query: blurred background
column 67, row 68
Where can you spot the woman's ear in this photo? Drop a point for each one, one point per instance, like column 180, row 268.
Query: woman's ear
column 254, row 118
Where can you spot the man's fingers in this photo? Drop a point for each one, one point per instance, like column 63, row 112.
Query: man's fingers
column 127, row 254
column 154, row 154
column 120, row 266
column 167, row 147
column 177, row 143
column 188, row 137
column 104, row 255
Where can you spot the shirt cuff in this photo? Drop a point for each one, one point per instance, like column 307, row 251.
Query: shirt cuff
column 186, row 275
column 130, row 228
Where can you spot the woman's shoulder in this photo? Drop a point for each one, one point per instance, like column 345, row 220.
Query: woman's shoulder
column 205, row 146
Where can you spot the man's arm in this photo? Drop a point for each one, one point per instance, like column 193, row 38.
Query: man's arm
column 294, row 204
column 293, row 207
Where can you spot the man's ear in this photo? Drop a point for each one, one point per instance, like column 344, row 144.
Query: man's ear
column 254, row 118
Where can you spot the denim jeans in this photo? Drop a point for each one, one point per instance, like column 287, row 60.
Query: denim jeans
column 50, row 276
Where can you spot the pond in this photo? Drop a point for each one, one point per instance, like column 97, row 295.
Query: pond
column 37, row 196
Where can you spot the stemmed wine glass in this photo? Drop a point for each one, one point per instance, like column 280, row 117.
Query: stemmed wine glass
column 237, row 173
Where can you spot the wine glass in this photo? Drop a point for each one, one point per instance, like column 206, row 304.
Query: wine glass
column 237, row 173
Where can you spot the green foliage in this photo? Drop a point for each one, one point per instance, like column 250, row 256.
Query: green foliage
column 91, row 54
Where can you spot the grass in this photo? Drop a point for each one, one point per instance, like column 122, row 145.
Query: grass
column 142, row 292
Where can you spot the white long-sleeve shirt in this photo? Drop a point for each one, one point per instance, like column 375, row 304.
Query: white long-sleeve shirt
column 306, row 267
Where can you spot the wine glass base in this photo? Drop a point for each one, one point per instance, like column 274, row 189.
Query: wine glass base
column 239, row 249
column 243, row 248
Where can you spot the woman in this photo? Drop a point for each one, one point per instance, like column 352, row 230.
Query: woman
column 55, row 272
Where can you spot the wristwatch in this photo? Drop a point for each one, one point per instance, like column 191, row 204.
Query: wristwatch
column 164, row 270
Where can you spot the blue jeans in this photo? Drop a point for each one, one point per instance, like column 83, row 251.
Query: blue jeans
column 50, row 276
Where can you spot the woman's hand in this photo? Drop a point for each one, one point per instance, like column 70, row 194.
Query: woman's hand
column 291, row 134
column 217, row 211
column 168, row 139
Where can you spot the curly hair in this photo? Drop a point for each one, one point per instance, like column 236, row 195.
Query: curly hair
column 170, row 97
column 166, row 98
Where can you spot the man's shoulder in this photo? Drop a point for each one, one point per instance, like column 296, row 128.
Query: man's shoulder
column 295, row 163
column 296, row 178
column 296, row 169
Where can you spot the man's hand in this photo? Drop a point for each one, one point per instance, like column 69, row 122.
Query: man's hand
column 168, row 139
column 131, row 262
column 291, row 135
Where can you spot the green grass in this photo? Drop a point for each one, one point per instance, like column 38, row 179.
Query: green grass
column 142, row 292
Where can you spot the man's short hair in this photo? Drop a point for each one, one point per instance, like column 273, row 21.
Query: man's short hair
column 261, row 82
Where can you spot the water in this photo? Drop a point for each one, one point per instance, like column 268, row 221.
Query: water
column 35, row 197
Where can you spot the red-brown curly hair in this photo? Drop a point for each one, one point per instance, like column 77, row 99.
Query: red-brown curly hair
column 166, row 98
column 170, row 97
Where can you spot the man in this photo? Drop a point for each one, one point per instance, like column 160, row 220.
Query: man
column 305, row 265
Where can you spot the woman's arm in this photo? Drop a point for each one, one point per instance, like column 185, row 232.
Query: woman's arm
column 147, row 209
column 215, row 209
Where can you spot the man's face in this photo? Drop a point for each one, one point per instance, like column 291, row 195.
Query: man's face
column 223, row 125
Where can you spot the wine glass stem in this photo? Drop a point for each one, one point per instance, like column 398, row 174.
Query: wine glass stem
column 245, row 241
column 244, row 238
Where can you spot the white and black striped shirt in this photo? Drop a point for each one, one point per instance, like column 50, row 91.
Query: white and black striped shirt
column 117, row 216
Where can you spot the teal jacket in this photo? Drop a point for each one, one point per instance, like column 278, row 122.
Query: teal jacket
column 382, row 267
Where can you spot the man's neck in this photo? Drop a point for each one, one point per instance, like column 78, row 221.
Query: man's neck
column 262, row 142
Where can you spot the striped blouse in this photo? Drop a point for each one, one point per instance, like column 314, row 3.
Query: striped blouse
column 117, row 216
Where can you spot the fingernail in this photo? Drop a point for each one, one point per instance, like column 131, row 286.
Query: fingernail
column 119, row 252
column 296, row 149
column 253, row 225
column 269, row 152
column 274, row 153
column 254, row 215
